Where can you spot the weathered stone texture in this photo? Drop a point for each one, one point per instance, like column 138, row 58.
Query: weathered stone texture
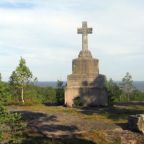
column 90, row 96
column 88, row 66
column 136, row 122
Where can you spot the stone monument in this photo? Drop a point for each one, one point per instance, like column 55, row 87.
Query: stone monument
column 85, row 81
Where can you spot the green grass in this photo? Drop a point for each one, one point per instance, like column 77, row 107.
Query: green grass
column 115, row 114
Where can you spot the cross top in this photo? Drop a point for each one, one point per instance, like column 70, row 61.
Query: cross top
column 84, row 31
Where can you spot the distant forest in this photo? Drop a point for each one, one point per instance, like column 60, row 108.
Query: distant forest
column 137, row 84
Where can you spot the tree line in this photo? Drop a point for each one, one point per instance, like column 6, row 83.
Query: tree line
column 123, row 91
column 21, row 88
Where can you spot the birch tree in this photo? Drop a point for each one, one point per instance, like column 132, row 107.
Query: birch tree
column 21, row 77
column 127, row 85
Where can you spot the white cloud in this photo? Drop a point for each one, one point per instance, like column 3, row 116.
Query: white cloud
column 45, row 35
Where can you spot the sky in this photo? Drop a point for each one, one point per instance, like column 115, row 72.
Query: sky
column 44, row 32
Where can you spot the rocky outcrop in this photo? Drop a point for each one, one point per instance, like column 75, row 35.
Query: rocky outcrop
column 136, row 122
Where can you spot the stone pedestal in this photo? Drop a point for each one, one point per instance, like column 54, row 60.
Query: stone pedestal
column 86, row 82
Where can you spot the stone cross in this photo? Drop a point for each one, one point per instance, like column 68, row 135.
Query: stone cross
column 84, row 31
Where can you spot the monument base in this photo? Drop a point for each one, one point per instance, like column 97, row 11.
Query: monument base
column 90, row 96
column 93, row 94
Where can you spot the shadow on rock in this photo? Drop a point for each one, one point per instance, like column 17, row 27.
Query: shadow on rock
column 47, row 126
column 44, row 140
column 38, row 116
column 54, row 128
column 113, row 113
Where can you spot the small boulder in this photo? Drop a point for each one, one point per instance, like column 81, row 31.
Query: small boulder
column 136, row 122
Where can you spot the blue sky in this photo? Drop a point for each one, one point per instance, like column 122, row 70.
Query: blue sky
column 44, row 32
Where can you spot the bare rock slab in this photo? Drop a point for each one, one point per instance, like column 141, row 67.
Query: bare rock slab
column 136, row 122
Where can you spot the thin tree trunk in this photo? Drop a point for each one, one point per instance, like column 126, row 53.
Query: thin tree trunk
column 22, row 96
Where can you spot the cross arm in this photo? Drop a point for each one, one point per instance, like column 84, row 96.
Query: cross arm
column 81, row 31
column 89, row 30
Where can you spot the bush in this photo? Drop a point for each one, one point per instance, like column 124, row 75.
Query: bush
column 78, row 102
column 60, row 96
column 113, row 91
column 4, row 92
column 11, row 127
column 60, row 92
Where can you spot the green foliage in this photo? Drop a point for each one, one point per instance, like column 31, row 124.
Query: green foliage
column 21, row 77
column 60, row 92
column 46, row 94
column 4, row 92
column 124, row 91
column 11, row 127
column 78, row 102
column 10, row 94
column 127, row 85
column 137, row 95
column 37, row 95
column 31, row 95
column 114, row 92
column 0, row 77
